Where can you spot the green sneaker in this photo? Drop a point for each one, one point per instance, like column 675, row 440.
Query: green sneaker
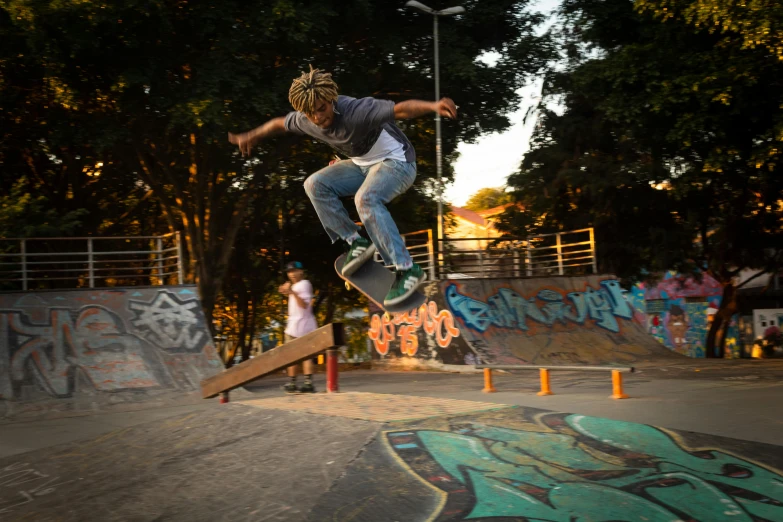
column 405, row 284
column 361, row 251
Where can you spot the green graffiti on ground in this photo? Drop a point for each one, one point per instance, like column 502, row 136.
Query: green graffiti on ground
column 580, row 469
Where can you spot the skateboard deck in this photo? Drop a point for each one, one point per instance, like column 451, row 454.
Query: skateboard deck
column 374, row 280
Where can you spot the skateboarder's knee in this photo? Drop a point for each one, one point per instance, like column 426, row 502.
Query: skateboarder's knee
column 365, row 201
column 311, row 184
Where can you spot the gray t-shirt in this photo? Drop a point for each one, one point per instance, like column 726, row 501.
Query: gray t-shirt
column 356, row 127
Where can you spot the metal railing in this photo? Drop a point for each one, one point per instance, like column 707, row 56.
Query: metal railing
column 78, row 262
column 562, row 253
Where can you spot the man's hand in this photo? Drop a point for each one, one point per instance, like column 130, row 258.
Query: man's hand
column 446, row 107
column 247, row 140
column 244, row 141
column 285, row 288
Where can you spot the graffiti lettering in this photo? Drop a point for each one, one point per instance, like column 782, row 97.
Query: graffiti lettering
column 409, row 342
column 629, row 471
column 381, row 332
column 436, row 324
column 508, row 309
column 52, row 351
column 57, row 348
column 168, row 322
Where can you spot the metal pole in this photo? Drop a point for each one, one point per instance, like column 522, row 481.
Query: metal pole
column 24, row 264
column 528, row 260
column 438, row 151
column 431, row 254
column 332, row 371
column 180, row 277
column 592, row 249
column 160, row 260
column 90, row 270
column 559, row 255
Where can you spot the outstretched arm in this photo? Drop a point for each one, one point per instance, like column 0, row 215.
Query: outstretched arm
column 415, row 108
column 247, row 140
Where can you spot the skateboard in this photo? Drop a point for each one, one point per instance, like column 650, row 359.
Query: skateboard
column 374, row 280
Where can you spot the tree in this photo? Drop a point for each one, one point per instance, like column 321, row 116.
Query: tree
column 672, row 160
column 150, row 89
column 756, row 22
column 487, row 198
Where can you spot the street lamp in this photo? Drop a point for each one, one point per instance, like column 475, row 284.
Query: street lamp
column 438, row 152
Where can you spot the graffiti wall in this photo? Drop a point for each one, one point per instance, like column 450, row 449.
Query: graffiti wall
column 566, row 467
column 427, row 335
column 62, row 344
column 560, row 320
column 676, row 312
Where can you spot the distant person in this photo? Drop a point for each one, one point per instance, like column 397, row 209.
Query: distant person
column 678, row 327
column 301, row 321
column 382, row 166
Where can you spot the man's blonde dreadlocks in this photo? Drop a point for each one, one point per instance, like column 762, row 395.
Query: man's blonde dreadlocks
column 309, row 87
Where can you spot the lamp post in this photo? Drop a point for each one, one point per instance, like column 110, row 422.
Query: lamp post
column 438, row 151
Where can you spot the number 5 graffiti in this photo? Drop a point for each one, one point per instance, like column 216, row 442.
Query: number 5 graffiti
column 437, row 324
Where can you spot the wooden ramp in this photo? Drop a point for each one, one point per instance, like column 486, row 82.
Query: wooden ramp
column 305, row 347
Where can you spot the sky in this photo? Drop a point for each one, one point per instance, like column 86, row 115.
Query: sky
column 490, row 160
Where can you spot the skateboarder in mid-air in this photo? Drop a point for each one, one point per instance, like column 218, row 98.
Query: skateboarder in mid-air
column 382, row 166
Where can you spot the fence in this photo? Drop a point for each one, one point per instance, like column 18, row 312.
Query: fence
column 562, row 253
column 78, row 262
column 38, row 263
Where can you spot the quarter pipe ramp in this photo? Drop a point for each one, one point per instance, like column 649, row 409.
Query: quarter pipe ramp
column 93, row 349
column 553, row 320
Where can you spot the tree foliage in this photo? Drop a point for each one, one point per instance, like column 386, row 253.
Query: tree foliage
column 669, row 145
column 487, row 198
column 756, row 22
column 121, row 110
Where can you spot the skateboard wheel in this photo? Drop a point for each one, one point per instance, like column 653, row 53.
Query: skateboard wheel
column 348, row 286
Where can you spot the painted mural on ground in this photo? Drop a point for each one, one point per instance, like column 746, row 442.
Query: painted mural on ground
column 59, row 344
column 557, row 320
column 676, row 313
column 565, row 467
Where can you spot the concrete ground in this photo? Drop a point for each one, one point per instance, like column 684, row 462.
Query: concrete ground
column 695, row 442
column 740, row 400
column 741, row 405
column 378, row 457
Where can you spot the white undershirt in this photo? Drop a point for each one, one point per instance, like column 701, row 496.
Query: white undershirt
column 301, row 321
column 385, row 147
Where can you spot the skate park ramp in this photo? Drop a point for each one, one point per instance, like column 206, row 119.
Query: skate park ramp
column 542, row 320
column 91, row 350
column 353, row 459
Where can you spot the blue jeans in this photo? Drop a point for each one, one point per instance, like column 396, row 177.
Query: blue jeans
column 373, row 187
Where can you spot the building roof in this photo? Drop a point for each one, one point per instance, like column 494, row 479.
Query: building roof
column 498, row 210
column 481, row 217
column 469, row 215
